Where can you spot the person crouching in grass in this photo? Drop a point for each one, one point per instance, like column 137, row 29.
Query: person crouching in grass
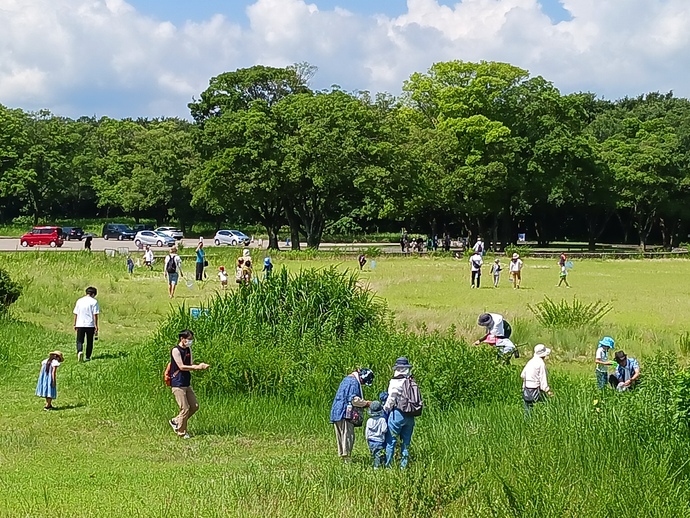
column 627, row 373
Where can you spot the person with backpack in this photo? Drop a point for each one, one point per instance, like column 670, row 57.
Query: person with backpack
column 172, row 270
column 476, row 263
column 495, row 325
column 346, row 411
column 403, row 404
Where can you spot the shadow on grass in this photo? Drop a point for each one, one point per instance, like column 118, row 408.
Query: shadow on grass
column 68, row 407
column 110, row 356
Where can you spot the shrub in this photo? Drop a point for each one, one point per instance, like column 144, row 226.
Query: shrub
column 10, row 291
column 522, row 250
column 565, row 315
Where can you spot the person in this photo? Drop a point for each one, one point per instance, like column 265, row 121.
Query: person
column 516, row 271
column 478, row 247
column 86, row 313
column 496, row 271
column 47, row 378
column 602, row 361
column 181, row 365
column 238, row 270
column 563, row 277
column 87, row 242
column 247, row 272
column 476, row 263
column 375, row 433
column 223, row 276
column 505, row 348
column 130, row 265
column 268, row 267
column 435, row 243
column 400, row 426
column 627, row 374
column 200, row 261
column 349, row 393
column 148, row 257
column 246, row 255
column 172, row 270
column 362, row 260
column 495, row 325
column 534, row 378
column 446, row 242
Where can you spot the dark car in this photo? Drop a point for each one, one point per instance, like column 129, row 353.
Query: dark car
column 118, row 231
column 141, row 226
column 69, row 233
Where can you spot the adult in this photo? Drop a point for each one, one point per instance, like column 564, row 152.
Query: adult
column 476, row 263
column 602, row 361
column 172, row 270
column 479, row 246
column 446, row 242
column 627, row 373
column 181, row 365
column 87, row 243
column 200, row 261
column 148, row 257
column 516, row 271
column 497, row 334
column 534, row 378
column 400, row 425
column 349, row 393
column 86, row 312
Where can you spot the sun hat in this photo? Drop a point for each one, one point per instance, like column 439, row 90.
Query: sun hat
column 402, row 363
column 541, row 350
column 383, row 396
column 620, row 356
column 267, row 261
column 245, row 252
column 485, row 320
column 607, row 341
column 516, row 256
column 366, row 376
column 58, row 354
column 375, row 409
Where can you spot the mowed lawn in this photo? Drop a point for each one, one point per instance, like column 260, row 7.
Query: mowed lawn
column 110, row 452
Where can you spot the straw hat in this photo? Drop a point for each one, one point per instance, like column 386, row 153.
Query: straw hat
column 59, row 355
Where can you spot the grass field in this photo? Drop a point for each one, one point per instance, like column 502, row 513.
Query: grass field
column 109, row 450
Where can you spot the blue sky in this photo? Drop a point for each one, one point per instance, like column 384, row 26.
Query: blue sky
column 149, row 58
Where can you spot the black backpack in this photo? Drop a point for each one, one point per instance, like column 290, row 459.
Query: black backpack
column 507, row 330
column 409, row 401
column 476, row 264
column 171, row 266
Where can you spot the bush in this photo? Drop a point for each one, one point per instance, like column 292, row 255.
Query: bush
column 564, row 315
column 10, row 291
column 522, row 250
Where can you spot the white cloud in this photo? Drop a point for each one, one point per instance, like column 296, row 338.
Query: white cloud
column 86, row 56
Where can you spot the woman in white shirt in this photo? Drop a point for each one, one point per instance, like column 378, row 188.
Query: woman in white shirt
column 534, row 378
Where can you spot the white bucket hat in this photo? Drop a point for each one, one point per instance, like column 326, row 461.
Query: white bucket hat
column 541, row 350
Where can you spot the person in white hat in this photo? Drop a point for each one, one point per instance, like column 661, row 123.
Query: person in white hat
column 534, row 378
column 516, row 271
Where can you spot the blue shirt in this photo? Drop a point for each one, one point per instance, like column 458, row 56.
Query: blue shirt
column 348, row 389
column 200, row 255
column 628, row 371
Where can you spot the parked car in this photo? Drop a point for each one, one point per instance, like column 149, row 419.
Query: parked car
column 141, row 226
column 69, row 233
column 117, row 231
column 151, row 237
column 171, row 231
column 51, row 236
column 231, row 237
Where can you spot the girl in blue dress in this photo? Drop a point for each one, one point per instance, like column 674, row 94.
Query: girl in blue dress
column 47, row 382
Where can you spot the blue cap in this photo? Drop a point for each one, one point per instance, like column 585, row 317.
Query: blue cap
column 607, row 341
column 267, row 260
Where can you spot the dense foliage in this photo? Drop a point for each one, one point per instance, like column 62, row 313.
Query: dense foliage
column 10, row 291
column 468, row 148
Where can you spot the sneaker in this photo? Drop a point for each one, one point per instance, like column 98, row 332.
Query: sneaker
column 173, row 424
column 87, row 359
column 80, row 356
column 47, row 408
column 186, row 436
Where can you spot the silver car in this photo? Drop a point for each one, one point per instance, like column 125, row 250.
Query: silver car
column 152, row 237
column 173, row 232
column 231, row 237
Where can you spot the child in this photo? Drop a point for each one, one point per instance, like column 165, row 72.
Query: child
column 496, row 271
column 601, row 359
column 362, row 260
column 223, row 276
column 47, row 383
column 268, row 267
column 375, row 433
column 564, row 277
column 130, row 265
column 238, row 271
column 247, row 272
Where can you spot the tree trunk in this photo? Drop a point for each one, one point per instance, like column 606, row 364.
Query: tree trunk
column 272, row 236
column 293, row 222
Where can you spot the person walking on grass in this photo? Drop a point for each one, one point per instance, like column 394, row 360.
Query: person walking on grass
column 268, row 267
column 400, row 420
column 534, row 378
column 496, row 271
column 223, row 276
column 86, row 312
column 563, row 277
column 478, row 247
column 148, row 258
column 181, row 367
column 200, row 261
column 476, row 263
column 130, row 265
column 602, row 361
column 172, row 270
column 627, row 374
column 349, row 396
column 515, row 268
column 47, row 378
column 375, row 433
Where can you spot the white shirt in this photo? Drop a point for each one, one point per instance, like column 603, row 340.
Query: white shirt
column 223, row 275
column 497, row 328
column 603, row 356
column 395, row 388
column 516, row 266
column 478, row 246
column 85, row 309
column 148, row 256
column 478, row 259
column 376, row 429
column 534, row 375
column 178, row 263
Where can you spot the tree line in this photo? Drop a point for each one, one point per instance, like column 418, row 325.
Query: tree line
column 467, row 149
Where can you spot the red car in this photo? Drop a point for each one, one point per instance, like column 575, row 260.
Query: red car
column 51, row 236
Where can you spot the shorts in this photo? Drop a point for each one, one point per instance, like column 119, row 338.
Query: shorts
column 173, row 278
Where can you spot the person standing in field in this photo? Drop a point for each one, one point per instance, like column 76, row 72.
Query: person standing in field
column 602, row 361
column 515, row 268
column 478, row 247
column 86, row 312
column 148, row 257
column 47, row 378
column 349, row 395
column 400, row 421
column 563, row 277
column 534, row 378
column 476, row 263
column 268, row 267
column 375, row 433
column 223, row 276
column 496, row 271
column 627, row 374
column 200, row 261
column 181, row 367
column 87, row 243
column 172, row 270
